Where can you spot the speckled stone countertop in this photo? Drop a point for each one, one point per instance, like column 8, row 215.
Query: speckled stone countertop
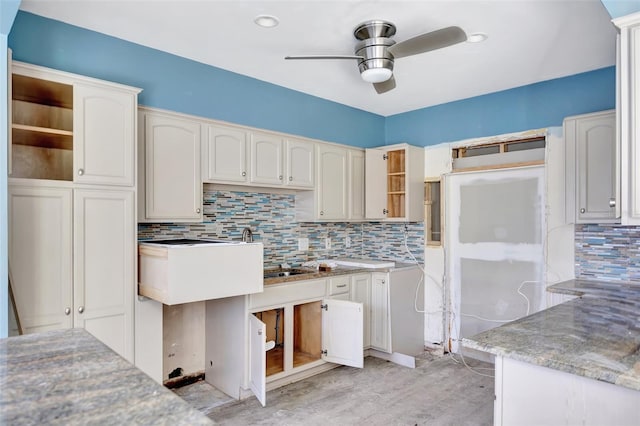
column 313, row 274
column 596, row 336
column 69, row 377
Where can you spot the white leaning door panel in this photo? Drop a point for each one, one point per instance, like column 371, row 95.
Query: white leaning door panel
column 376, row 184
column 258, row 358
column 104, row 277
column 342, row 327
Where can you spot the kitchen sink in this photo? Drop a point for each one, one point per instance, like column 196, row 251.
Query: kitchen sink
column 286, row 273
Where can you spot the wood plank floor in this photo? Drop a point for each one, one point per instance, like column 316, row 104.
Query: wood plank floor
column 438, row 391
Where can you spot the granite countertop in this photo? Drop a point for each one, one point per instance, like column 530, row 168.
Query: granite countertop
column 595, row 336
column 313, row 274
column 69, row 377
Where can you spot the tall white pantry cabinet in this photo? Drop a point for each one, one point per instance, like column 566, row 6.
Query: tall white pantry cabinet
column 72, row 221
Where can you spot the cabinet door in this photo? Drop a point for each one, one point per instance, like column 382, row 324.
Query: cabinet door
column 225, row 155
column 173, row 183
column 376, row 184
column 332, row 183
column 361, row 293
column 356, row 185
column 40, row 256
column 342, row 332
column 596, row 169
column 258, row 358
column 266, row 159
column 104, row 266
column 104, row 122
column 380, row 326
column 300, row 161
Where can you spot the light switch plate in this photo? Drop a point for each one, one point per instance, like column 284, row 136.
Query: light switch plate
column 303, row 244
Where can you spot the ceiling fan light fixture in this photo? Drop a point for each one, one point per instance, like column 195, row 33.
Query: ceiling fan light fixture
column 477, row 37
column 376, row 75
column 266, row 21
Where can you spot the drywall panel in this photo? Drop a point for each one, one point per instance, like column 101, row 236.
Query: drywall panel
column 494, row 239
column 492, row 210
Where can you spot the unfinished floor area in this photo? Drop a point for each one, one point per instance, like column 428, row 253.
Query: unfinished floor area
column 439, row 391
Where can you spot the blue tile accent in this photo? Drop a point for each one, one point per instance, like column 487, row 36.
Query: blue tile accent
column 272, row 220
column 607, row 252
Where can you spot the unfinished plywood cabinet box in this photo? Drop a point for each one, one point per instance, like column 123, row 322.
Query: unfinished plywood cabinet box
column 394, row 177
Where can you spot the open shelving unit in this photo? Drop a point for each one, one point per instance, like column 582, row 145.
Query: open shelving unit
column 396, row 179
column 41, row 129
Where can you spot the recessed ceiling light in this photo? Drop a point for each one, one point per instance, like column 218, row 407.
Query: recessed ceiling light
column 266, row 21
column 477, row 37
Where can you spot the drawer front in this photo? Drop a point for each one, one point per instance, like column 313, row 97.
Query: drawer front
column 288, row 292
column 339, row 285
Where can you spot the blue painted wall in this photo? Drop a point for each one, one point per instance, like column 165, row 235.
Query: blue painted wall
column 618, row 8
column 178, row 84
column 529, row 107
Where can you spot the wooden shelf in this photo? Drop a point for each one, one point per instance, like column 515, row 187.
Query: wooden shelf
column 396, row 192
column 42, row 137
column 44, row 92
column 396, row 174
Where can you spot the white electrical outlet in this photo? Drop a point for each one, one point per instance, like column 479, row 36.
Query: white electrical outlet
column 303, row 244
column 327, row 243
column 347, row 242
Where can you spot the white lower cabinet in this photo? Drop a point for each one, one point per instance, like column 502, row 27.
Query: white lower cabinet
column 72, row 259
column 380, row 324
column 296, row 336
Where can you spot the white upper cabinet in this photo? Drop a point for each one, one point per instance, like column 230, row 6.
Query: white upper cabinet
column 71, row 128
column 590, row 143
column 356, row 185
column 224, row 155
column 104, row 135
column 332, row 191
column 299, row 161
column 172, row 180
column 266, row 159
column 394, row 183
column 627, row 103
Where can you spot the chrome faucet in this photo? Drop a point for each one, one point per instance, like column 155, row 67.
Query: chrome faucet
column 247, row 235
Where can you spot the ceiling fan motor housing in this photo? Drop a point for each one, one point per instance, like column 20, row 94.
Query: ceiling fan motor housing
column 374, row 44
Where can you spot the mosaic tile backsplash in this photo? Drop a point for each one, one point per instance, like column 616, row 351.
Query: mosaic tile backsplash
column 271, row 217
column 608, row 252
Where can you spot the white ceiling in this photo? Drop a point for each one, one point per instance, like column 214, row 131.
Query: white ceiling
column 529, row 41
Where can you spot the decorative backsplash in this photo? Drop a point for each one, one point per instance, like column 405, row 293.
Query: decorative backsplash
column 271, row 218
column 608, row 252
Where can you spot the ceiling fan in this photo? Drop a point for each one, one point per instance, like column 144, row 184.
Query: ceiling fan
column 376, row 51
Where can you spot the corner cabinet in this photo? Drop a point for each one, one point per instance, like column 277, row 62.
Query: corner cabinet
column 590, row 155
column 394, row 179
column 170, row 179
column 627, row 103
column 72, row 223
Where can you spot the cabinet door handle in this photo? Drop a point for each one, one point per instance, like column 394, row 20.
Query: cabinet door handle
column 198, row 211
column 280, row 177
column 612, row 202
column 321, row 213
column 81, row 309
column 341, row 285
column 582, row 210
column 80, row 172
column 67, row 311
column 244, row 173
column 290, row 178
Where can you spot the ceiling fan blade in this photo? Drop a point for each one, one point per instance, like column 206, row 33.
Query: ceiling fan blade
column 324, row 57
column 385, row 86
column 429, row 41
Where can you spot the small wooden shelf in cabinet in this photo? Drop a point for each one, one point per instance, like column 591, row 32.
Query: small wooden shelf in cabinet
column 41, row 129
column 396, row 178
